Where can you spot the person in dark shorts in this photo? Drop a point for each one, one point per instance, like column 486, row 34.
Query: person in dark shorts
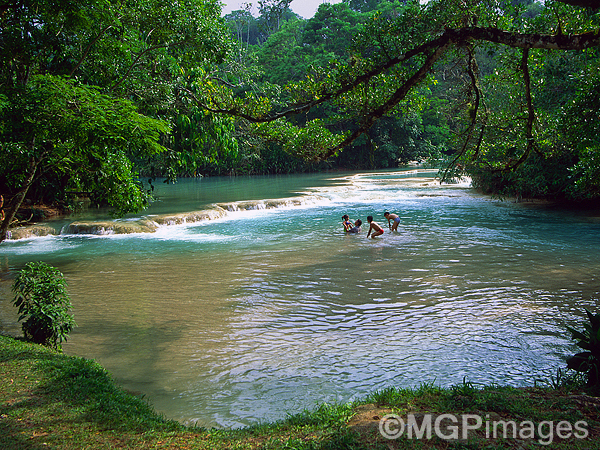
column 392, row 217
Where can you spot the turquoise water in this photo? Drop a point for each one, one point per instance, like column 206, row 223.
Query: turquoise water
column 269, row 308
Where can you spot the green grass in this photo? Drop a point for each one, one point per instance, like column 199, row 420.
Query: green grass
column 51, row 400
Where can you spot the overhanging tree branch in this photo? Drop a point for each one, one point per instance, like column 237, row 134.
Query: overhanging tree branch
column 397, row 97
column 533, row 40
column 325, row 97
column 89, row 48
column 432, row 50
column 458, row 37
column 139, row 56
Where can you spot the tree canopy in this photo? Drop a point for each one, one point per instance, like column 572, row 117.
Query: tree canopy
column 394, row 59
column 86, row 86
column 93, row 92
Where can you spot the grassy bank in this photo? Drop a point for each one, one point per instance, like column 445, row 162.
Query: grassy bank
column 51, row 400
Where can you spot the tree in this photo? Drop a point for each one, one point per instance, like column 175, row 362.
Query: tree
column 365, row 5
column 332, row 29
column 272, row 14
column 85, row 86
column 291, row 52
column 394, row 55
column 282, row 58
column 243, row 26
column 60, row 135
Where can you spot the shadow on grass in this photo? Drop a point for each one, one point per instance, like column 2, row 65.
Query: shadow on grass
column 45, row 390
column 55, row 400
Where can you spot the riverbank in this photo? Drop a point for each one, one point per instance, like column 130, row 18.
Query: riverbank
column 52, row 400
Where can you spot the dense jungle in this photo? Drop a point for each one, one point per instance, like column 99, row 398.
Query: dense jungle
column 100, row 98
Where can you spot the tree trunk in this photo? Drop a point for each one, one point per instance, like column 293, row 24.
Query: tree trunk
column 15, row 202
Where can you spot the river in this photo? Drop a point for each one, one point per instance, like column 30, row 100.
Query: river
column 268, row 308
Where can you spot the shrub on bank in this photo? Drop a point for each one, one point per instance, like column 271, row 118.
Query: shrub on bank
column 41, row 296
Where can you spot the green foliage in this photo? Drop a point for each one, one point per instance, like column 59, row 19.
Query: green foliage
column 486, row 398
column 557, row 158
column 306, row 55
column 82, row 139
column 332, row 30
column 281, row 58
column 307, row 141
column 204, row 143
column 328, row 78
column 272, row 14
column 581, row 127
column 465, row 396
column 516, row 132
column 566, row 379
column 42, row 298
column 396, row 397
column 538, row 177
column 261, row 156
column 363, row 5
column 331, row 415
column 243, row 26
column 87, row 87
column 588, row 361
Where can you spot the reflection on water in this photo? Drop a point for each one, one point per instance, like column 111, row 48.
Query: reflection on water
column 262, row 312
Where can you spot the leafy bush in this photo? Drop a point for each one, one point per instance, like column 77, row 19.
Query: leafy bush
column 41, row 296
column 589, row 340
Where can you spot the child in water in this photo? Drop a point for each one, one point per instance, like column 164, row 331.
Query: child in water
column 390, row 217
column 346, row 223
column 374, row 227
